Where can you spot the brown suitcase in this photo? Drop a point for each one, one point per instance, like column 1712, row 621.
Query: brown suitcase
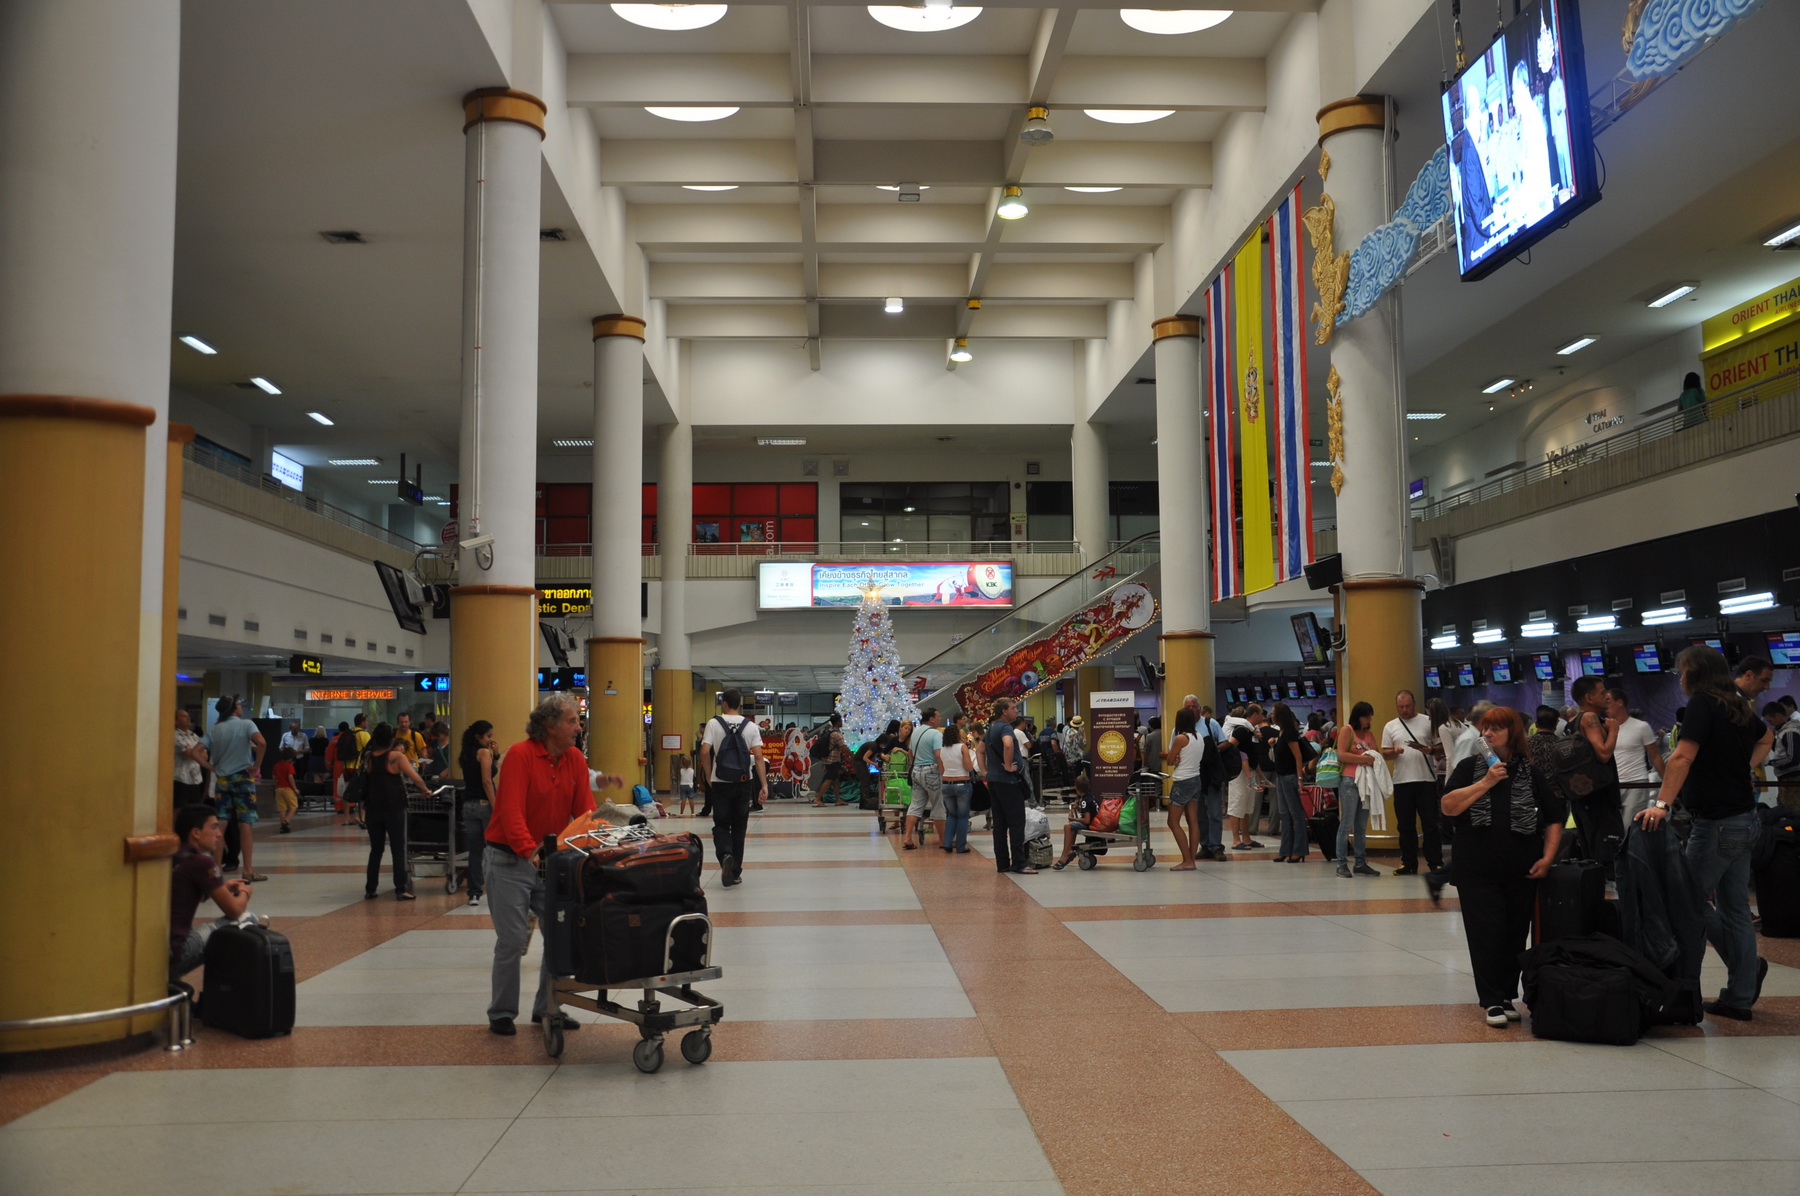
column 665, row 867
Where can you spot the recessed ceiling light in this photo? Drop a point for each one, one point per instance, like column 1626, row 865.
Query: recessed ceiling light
column 927, row 18
column 886, row 187
column 573, row 442
column 709, row 187
column 1170, row 21
column 691, row 115
column 1426, row 414
column 1576, row 345
column 1093, row 190
column 1012, row 205
column 354, row 461
column 322, row 418
column 197, row 345
column 1497, row 385
column 781, row 441
column 266, row 386
column 961, row 351
column 1783, row 237
column 1674, row 293
column 671, row 16
column 894, row 305
column 1128, row 116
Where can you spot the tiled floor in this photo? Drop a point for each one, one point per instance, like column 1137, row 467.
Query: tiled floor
column 911, row 1023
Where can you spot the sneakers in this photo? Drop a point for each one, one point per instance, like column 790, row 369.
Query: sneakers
column 474, row 900
column 1512, row 1013
column 728, row 871
column 1406, row 870
column 1496, row 1016
column 1365, row 870
column 1721, row 1009
column 1343, row 870
column 502, row 1026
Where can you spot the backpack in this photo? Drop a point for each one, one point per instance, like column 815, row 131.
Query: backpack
column 821, row 746
column 732, row 761
column 347, row 749
column 1231, row 758
column 1329, row 774
column 1571, row 761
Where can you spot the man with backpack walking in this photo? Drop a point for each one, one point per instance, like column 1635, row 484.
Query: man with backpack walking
column 731, row 757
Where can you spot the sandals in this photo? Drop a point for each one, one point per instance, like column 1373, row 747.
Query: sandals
column 1059, row 865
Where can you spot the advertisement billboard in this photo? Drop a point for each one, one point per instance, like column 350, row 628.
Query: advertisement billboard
column 922, row 585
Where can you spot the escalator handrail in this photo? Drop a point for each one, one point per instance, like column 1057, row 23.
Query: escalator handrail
column 1078, row 575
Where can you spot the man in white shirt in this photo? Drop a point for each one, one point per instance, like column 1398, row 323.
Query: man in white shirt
column 295, row 741
column 1635, row 753
column 731, row 756
column 1405, row 741
column 927, row 781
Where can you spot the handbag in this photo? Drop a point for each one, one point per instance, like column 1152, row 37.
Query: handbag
column 356, row 785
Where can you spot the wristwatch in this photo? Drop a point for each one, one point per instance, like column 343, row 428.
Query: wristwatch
column 1661, row 805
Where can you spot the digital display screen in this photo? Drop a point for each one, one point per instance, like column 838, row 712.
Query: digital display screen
column 1433, row 678
column 1716, row 645
column 562, row 679
column 1593, row 662
column 1258, row 691
column 1784, row 649
column 1331, row 687
column 1647, row 658
column 1465, row 675
column 1540, row 667
column 1293, row 689
column 1311, row 638
column 287, row 471
column 1500, row 668
column 1311, row 688
column 799, row 585
column 1415, row 489
column 1520, row 142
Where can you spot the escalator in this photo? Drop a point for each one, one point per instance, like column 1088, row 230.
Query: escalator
column 1076, row 622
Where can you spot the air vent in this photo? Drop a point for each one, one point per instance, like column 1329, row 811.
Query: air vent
column 371, row 645
column 299, row 634
column 809, row 469
column 1621, row 604
column 1578, row 611
column 1033, row 468
column 1538, row 616
column 1478, row 625
column 344, row 236
column 409, row 654
column 1672, row 598
column 840, row 469
column 324, row 637
column 552, row 234
column 252, row 625
column 392, row 650
column 1786, row 575
column 1736, row 585
column 216, row 620
column 349, row 643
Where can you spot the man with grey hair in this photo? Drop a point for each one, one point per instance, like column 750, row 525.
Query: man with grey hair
column 544, row 785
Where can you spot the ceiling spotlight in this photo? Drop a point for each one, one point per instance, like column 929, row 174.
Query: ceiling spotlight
column 927, row 18
column 1781, row 239
column 197, row 345
column 1012, row 206
column 321, row 417
column 354, row 461
column 266, row 386
column 1674, row 293
column 671, row 16
column 1497, row 385
column 691, row 115
column 1167, row 21
column 894, row 305
column 1576, row 345
column 573, row 442
column 1426, row 414
column 1093, row 190
column 961, row 352
column 781, row 441
column 709, row 187
column 1037, row 130
column 1128, row 116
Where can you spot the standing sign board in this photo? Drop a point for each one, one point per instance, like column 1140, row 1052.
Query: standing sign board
column 1114, row 754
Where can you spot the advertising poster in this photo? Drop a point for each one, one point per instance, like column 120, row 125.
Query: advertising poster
column 798, row 585
column 1077, row 640
column 1114, row 752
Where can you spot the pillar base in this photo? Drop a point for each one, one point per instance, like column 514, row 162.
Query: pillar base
column 1384, row 653
column 493, row 658
column 616, row 720
column 672, row 700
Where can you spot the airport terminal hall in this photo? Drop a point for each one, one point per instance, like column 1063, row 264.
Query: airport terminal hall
column 803, row 598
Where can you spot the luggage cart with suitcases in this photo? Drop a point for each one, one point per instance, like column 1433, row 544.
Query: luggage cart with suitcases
column 1146, row 786
column 434, row 834
column 600, row 943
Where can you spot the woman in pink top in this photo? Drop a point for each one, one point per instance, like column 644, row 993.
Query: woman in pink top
column 1355, row 747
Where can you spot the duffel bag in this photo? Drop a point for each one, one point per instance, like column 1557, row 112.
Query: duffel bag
column 622, row 940
column 1580, row 1003
column 660, row 867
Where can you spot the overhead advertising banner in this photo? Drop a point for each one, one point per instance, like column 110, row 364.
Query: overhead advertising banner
column 800, row 585
column 1072, row 643
column 1753, row 343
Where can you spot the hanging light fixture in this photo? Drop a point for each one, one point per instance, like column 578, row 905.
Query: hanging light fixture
column 961, row 351
column 1012, row 204
column 1037, row 130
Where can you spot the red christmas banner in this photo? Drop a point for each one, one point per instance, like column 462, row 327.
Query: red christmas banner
column 1077, row 640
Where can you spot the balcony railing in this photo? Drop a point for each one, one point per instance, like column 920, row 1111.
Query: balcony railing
column 205, row 459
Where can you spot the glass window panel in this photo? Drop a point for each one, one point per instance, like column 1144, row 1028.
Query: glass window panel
column 950, row 527
column 990, row 528
column 1049, row 498
column 858, row 529
column 1050, row 527
column 988, row 498
column 907, row 528
column 861, row 499
column 947, row 498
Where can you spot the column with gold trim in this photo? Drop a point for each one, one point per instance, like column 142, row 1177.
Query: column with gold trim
column 616, row 652
column 1183, row 516
column 673, row 679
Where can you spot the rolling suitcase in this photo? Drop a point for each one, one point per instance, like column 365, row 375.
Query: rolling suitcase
column 627, row 939
column 1776, row 869
column 249, row 982
column 664, row 867
column 562, row 908
column 1322, row 829
column 1571, row 899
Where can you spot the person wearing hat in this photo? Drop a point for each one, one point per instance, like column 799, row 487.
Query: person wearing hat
column 236, row 748
column 1074, row 745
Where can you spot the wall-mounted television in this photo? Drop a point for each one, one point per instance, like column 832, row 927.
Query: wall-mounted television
column 1784, row 649
column 1541, row 667
column 1593, row 662
column 1521, row 146
column 1500, row 669
column 1311, row 638
column 1146, row 673
column 405, row 596
column 1724, row 648
column 1331, row 687
column 1293, row 690
column 1647, row 658
column 1310, row 688
column 1466, row 675
column 1434, row 679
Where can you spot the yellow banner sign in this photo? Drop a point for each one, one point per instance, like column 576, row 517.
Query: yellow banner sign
column 1750, row 318
column 1753, row 360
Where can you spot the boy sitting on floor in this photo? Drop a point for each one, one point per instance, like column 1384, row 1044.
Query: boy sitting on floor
column 197, row 877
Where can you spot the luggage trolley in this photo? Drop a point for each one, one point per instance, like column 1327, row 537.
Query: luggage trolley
column 648, row 1015
column 434, row 833
column 1146, row 787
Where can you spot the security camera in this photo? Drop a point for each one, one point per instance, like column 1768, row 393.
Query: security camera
column 474, row 542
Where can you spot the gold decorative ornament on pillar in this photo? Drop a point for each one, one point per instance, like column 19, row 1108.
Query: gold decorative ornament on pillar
column 1334, row 424
column 1331, row 269
column 503, row 103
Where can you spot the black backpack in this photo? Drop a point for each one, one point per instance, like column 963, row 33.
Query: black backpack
column 732, row 761
column 347, row 749
column 821, row 747
column 1231, row 758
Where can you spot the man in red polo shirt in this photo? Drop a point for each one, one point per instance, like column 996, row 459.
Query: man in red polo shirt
column 544, row 785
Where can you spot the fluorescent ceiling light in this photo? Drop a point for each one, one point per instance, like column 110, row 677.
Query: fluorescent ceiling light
column 354, row 461
column 928, row 18
column 1128, row 116
column 322, row 418
column 437, row 498
column 691, row 115
column 443, row 502
column 1686, row 288
column 671, row 16
column 1012, row 205
column 1665, row 614
column 1093, row 190
column 887, row 187
column 1321, row 465
column 1491, row 635
column 1167, row 21
column 381, row 481
column 894, row 305
column 1426, row 414
column 1597, row 623
column 1576, row 345
column 1538, row 630
column 1741, row 603
column 709, row 187
column 1497, row 385
column 781, row 441
column 573, row 442
column 1775, row 242
column 961, row 351
column 266, row 386
column 197, row 345
column 1447, row 640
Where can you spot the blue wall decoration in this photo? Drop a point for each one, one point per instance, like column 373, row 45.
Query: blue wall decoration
column 1380, row 261
column 1669, row 32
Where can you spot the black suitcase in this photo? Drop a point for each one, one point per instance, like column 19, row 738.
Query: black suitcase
column 1571, row 899
column 1586, row 1004
column 249, row 982
column 1778, row 890
column 562, row 908
column 1322, row 829
column 628, row 940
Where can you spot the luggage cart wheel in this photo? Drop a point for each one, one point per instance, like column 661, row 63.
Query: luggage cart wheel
column 450, row 881
column 648, row 1055
column 1142, row 862
column 696, row 1046
column 1086, row 861
column 553, row 1037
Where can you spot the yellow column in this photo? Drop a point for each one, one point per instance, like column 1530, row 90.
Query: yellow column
column 672, row 696
column 616, row 720
column 103, row 945
column 1187, row 669
column 180, row 436
column 1384, row 653
column 493, row 658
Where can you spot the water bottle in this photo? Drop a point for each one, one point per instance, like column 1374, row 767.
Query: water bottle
column 1493, row 758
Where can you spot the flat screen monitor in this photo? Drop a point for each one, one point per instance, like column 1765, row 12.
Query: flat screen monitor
column 1433, row 678
column 553, row 641
column 1784, row 649
column 287, row 471
column 1310, row 688
column 1541, row 668
column 1500, row 669
column 1723, row 647
column 1593, row 662
column 1258, row 691
column 1311, row 638
column 1146, row 673
column 1647, row 658
column 400, row 599
column 1331, row 687
column 1293, row 689
column 1521, row 146
column 1465, row 674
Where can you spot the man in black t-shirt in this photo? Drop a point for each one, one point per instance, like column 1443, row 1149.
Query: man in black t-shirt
column 197, row 877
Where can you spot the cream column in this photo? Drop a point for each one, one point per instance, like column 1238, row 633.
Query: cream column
column 672, row 683
column 1182, row 515
column 1090, row 483
column 89, row 94
column 493, row 609
column 615, row 658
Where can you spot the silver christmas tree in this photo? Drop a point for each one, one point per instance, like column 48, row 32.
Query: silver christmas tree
column 873, row 691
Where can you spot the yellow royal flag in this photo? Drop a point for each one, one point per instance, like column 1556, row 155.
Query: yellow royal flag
column 1258, row 536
